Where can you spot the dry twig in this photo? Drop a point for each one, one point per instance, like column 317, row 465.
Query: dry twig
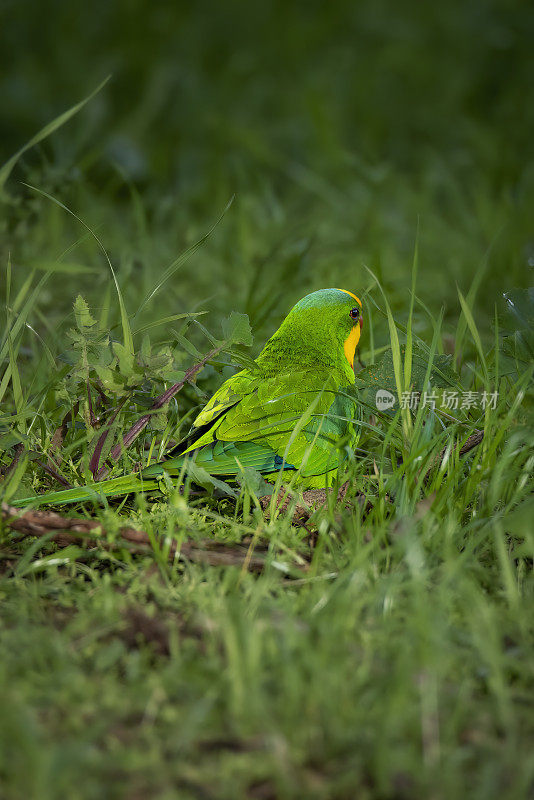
column 90, row 533
column 470, row 443
column 5, row 472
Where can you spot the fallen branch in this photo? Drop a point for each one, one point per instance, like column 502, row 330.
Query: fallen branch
column 90, row 533
column 473, row 441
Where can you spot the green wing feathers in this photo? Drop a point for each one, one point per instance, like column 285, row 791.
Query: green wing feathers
column 299, row 418
column 269, row 425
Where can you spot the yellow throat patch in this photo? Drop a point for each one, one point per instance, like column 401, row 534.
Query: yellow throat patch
column 351, row 342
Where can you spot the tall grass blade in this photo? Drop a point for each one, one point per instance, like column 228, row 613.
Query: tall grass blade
column 397, row 362
column 12, row 332
column 23, row 315
column 474, row 332
column 126, row 330
column 462, row 322
column 48, row 129
column 409, row 337
column 182, row 258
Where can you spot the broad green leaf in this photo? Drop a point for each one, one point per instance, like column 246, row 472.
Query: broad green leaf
column 237, row 330
column 82, row 314
column 126, row 359
column 146, row 349
column 110, row 379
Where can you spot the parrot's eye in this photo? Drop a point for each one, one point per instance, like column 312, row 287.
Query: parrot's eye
column 354, row 314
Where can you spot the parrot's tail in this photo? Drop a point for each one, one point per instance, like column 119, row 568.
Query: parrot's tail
column 115, row 487
column 145, row 481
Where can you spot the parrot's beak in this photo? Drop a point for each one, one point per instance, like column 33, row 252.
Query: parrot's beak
column 361, row 323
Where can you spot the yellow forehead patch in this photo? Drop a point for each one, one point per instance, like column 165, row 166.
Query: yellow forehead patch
column 352, row 295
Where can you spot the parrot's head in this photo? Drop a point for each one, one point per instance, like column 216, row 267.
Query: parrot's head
column 329, row 317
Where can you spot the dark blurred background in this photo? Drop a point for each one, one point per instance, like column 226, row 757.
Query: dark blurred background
column 336, row 125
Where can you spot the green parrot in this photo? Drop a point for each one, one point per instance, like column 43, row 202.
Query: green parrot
column 290, row 412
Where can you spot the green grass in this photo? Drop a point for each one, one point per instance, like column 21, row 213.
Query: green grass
column 232, row 164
